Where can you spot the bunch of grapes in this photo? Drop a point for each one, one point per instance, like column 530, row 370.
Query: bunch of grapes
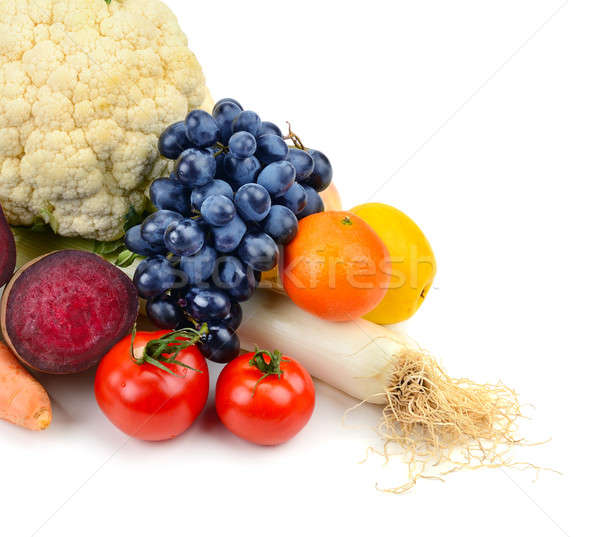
column 235, row 196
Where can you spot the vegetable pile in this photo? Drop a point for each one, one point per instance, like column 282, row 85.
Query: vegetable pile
column 234, row 205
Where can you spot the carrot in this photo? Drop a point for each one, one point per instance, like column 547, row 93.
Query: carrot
column 23, row 400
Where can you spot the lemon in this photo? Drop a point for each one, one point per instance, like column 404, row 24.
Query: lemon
column 412, row 260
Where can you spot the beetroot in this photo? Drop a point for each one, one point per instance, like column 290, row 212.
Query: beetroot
column 8, row 253
column 64, row 311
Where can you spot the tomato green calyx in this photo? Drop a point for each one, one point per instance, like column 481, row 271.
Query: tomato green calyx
column 267, row 368
column 165, row 349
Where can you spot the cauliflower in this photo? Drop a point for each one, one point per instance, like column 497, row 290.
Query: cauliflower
column 86, row 88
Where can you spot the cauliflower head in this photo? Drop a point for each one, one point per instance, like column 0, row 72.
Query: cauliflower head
column 86, row 89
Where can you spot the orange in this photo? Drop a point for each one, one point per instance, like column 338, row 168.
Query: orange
column 333, row 202
column 337, row 267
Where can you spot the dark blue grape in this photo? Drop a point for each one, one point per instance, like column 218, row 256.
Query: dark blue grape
column 171, row 195
column 218, row 210
column 185, row 238
column 259, row 251
column 205, row 304
column 221, row 345
column 238, row 172
column 202, row 129
column 224, row 113
column 228, row 237
column 242, row 145
column 196, row 167
column 155, row 275
column 314, row 203
column 303, row 162
column 253, row 202
column 277, row 178
column 214, row 188
column 247, row 121
column 234, row 320
column 154, row 226
column 235, row 278
column 271, row 148
column 321, row 177
column 294, row 199
column 281, row 224
column 228, row 100
column 165, row 312
column 269, row 128
column 200, row 267
column 174, row 141
column 136, row 244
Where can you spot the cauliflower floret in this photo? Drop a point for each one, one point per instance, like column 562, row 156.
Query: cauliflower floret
column 86, row 89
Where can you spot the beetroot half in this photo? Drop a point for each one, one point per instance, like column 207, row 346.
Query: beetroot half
column 64, row 311
column 8, row 252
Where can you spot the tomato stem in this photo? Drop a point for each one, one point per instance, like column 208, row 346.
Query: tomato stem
column 272, row 367
column 165, row 349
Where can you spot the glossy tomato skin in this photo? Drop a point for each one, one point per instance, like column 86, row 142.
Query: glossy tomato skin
column 146, row 402
column 276, row 412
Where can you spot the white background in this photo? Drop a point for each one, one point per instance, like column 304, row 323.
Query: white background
column 480, row 120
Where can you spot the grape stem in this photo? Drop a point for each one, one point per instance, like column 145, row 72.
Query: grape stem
column 268, row 368
column 294, row 138
column 165, row 349
column 222, row 149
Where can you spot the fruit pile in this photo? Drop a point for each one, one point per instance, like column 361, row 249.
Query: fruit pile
column 236, row 194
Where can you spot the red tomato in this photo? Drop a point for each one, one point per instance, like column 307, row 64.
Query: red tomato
column 143, row 400
column 269, row 410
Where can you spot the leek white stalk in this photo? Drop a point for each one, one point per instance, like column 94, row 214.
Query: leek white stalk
column 356, row 357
